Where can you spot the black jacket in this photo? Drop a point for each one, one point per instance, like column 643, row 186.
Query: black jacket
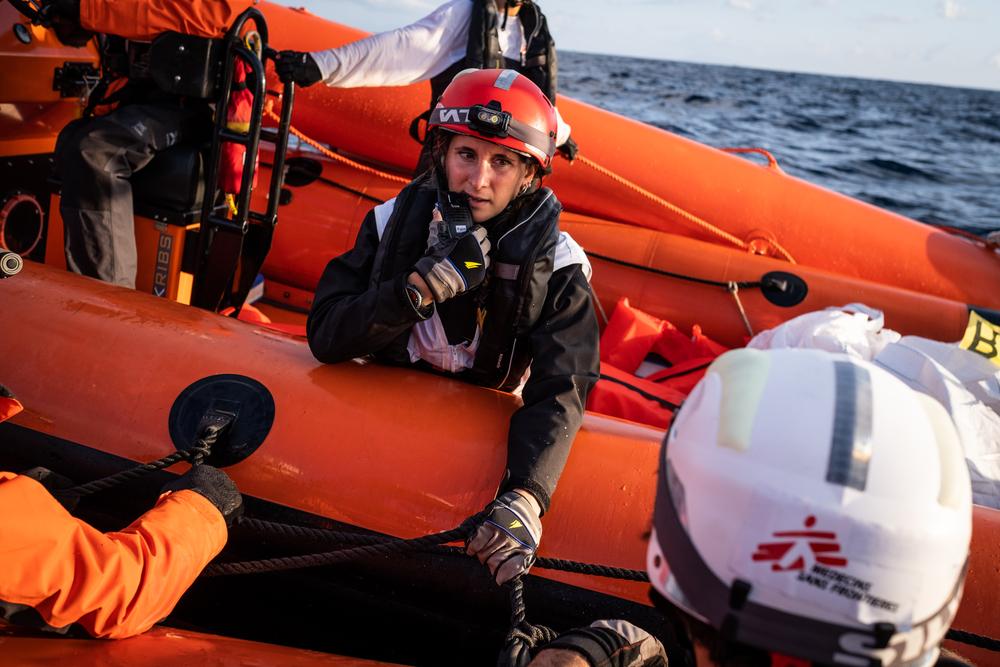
column 483, row 51
column 554, row 329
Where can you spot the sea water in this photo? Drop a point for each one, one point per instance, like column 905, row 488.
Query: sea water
column 931, row 153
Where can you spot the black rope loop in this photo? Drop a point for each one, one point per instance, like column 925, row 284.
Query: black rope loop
column 195, row 456
column 384, row 546
column 522, row 636
column 592, row 569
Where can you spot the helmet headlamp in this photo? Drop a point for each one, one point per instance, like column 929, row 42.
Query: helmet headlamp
column 489, row 120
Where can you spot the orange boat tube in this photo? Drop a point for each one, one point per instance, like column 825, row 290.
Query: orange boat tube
column 671, row 276
column 756, row 204
column 99, row 368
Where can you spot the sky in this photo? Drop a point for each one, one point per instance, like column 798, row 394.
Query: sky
column 947, row 42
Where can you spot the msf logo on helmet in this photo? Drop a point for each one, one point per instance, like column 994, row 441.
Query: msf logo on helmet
column 801, row 549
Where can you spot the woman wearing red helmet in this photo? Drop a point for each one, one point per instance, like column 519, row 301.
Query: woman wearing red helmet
column 481, row 292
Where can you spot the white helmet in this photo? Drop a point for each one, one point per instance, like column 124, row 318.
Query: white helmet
column 811, row 504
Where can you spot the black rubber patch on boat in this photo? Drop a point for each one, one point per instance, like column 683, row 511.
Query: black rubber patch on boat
column 783, row 289
column 246, row 399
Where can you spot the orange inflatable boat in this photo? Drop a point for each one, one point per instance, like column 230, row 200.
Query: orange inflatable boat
column 640, row 175
column 110, row 376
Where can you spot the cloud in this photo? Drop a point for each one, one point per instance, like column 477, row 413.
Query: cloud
column 718, row 34
column 951, row 9
column 746, row 5
column 995, row 60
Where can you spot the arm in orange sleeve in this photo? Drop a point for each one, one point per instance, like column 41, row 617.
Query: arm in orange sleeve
column 113, row 585
column 145, row 19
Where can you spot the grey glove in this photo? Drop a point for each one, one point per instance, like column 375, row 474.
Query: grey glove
column 507, row 539
column 214, row 485
column 614, row 643
column 455, row 265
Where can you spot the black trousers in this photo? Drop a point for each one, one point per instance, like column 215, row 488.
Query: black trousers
column 94, row 159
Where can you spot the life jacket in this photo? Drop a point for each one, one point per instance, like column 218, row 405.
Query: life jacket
column 538, row 61
column 512, row 296
column 632, row 338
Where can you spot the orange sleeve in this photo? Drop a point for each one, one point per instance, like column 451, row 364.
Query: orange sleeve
column 145, row 19
column 114, row 585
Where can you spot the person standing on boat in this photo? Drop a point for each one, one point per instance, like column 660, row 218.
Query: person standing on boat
column 458, row 35
column 811, row 510
column 483, row 304
column 62, row 575
column 97, row 154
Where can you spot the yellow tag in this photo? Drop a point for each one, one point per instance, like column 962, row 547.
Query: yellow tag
column 473, row 265
column 982, row 337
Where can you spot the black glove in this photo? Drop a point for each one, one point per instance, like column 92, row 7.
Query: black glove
column 455, row 265
column 297, row 67
column 607, row 644
column 569, row 149
column 506, row 541
column 64, row 17
column 59, row 486
column 214, row 485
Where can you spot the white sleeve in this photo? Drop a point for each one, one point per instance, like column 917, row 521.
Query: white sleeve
column 399, row 57
column 569, row 252
column 562, row 129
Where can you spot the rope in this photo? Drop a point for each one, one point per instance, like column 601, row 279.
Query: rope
column 972, row 639
column 194, row 456
column 375, row 545
column 522, row 636
column 591, row 569
column 734, row 289
column 335, row 156
column 382, row 547
column 690, row 217
column 677, row 210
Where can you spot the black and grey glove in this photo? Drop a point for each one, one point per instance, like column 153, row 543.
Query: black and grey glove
column 568, row 149
column 214, row 485
column 613, row 643
column 506, row 541
column 298, row 67
column 455, row 265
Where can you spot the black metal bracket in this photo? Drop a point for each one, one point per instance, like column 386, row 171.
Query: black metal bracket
column 75, row 79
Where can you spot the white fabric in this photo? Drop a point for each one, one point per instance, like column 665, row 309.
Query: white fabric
column 569, row 252
column 957, row 379
column 511, row 38
column 382, row 213
column 965, row 383
column 854, row 329
column 416, row 52
column 428, row 341
column 399, row 57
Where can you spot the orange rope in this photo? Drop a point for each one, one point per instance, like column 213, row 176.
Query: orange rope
column 590, row 163
column 340, row 158
column 690, row 217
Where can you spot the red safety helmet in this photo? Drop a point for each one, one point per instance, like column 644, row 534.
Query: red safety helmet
column 499, row 106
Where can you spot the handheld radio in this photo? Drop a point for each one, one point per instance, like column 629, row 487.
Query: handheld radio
column 454, row 208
